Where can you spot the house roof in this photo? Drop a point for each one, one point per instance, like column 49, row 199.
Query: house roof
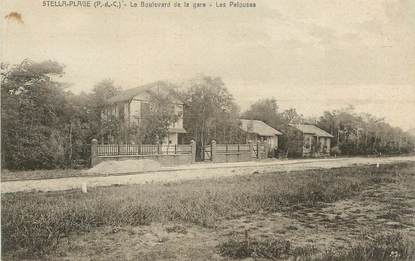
column 129, row 94
column 311, row 129
column 258, row 127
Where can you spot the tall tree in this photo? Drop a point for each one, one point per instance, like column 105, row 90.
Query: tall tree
column 210, row 111
column 363, row 133
column 291, row 116
column 97, row 99
column 33, row 103
column 159, row 116
column 101, row 92
column 265, row 110
column 80, row 126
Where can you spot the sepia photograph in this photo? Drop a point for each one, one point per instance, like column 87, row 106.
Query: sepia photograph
column 208, row 130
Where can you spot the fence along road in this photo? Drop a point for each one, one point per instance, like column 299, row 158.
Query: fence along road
column 195, row 171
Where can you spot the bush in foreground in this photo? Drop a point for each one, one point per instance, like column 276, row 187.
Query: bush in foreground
column 385, row 247
column 268, row 248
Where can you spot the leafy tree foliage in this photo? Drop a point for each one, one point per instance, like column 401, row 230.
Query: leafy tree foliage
column 158, row 118
column 43, row 125
column 265, row 110
column 291, row 142
column 210, row 112
column 105, row 126
column 364, row 134
column 291, row 116
column 32, row 115
column 101, row 92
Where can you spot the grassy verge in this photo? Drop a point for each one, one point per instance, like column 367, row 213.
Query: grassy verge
column 34, row 223
column 7, row 175
column 385, row 247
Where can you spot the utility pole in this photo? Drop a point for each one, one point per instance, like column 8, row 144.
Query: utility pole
column 70, row 144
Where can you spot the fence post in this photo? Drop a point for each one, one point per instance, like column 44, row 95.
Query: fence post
column 94, row 153
column 213, row 151
column 193, row 146
column 266, row 148
column 260, row 152
column 257, row 150
column 251, row 149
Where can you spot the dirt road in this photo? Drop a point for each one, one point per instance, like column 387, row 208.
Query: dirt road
column 196, row 171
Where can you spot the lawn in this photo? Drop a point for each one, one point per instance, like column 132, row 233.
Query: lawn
column 359, row 213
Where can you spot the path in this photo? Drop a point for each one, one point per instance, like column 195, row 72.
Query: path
column 196, row 171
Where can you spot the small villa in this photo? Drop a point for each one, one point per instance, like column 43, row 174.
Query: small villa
column 257, row 131
column 315, row 141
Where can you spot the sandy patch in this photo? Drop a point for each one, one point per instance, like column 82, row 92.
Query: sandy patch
column 125, row 166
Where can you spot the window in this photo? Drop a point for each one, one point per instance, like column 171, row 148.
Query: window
column 121, row 111
column 145, row 109
column 180, row 113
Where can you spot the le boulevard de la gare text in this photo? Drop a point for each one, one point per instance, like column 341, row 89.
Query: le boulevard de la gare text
column 149, row 4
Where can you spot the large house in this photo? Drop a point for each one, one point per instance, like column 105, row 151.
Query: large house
column 259, row 131
column 314, row 141
column 132, row 106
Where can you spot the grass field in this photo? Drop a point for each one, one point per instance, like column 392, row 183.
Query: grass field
column 357, row 213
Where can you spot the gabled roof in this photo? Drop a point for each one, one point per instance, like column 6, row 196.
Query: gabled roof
column 258, row 127
column 129, row 94
column 311, row 129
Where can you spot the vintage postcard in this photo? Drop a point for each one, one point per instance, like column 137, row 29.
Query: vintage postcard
column 207, row 130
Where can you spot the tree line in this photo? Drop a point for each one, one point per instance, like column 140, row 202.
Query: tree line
column 354, row 133
column 44, row 125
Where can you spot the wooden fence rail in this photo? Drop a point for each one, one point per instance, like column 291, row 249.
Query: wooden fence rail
column 231, row 148
column 141, row 149
column 169, row 154
column 238, row 152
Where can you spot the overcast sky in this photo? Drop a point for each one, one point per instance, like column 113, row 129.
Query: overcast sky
column 311, row 55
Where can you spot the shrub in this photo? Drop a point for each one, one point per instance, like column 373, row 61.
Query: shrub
column 335, row 151
column 268, row 248
column 386, row 247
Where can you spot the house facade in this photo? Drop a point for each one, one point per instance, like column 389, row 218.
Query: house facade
column 257, row 131
column 315, row 141
column 132, row 106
